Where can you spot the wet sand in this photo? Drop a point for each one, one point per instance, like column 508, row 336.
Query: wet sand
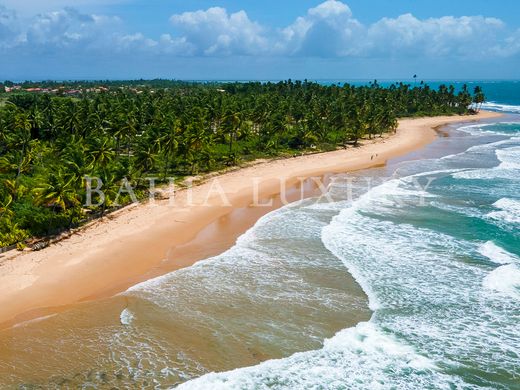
column 147, row 240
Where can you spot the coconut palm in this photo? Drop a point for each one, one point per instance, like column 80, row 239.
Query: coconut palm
column 57, row 192
column 101, row 151
column 169, row 141
column 478, row 98
column 20, row 139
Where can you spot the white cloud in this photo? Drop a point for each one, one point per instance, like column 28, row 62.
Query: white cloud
column 464, row 36
column 139, row 43
column 178, row 46
column 215, row 32
column 134, row 41
column 68, row 29
column 331, row 30
column 511, row 46
column 331, row 9
column 328, row 30
column 8, row 26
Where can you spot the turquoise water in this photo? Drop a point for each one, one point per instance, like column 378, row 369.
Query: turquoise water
column 437, row 250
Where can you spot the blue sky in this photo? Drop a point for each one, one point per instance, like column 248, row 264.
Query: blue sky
column 328, row 39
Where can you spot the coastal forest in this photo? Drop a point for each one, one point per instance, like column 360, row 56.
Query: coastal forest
column 53, row 135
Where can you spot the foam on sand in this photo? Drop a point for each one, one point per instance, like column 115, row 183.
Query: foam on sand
column 126, row 317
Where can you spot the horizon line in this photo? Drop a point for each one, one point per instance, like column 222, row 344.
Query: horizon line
column 338, row 80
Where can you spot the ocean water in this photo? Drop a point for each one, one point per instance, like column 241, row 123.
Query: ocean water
column 432, row 241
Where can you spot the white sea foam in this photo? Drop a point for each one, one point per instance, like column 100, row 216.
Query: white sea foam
column 505, row 280
column 126, row 317
column 501, row 107
column 479, row 149
column 38, row 319
column 507, row 169
column 420, row 274
column 491, row 147
column 462, row 209
column 360, row 357
column 481, row 129
column 477, row 129
column 496, row 254
column 509, row 158
column 483, row 174
column 509, row 211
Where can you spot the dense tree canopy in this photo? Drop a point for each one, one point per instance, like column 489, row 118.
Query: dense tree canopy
column 50, row 142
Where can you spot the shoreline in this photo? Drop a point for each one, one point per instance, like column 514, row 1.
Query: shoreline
column 140, row 242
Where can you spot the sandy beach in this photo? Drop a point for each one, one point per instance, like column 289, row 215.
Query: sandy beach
column 143, row 241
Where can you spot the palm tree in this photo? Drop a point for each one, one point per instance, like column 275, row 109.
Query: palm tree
column 101, row 151
column 10, row 232
column 35, row 117
column 478, row 98
column 169, row 141
column 231, row 125
column 14, row 189
column 21, row 138
column 57, row 192
column 5, row 203
column 304, row 136
column 110, row 189
column 69, row 118
column 464, row 99
column 145, row 159
column 77, row 162
column 127, row 129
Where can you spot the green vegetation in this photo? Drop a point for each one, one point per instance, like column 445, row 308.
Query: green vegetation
column 134, row 130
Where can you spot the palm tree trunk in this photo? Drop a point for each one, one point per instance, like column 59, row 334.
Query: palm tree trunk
column 20, row 164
